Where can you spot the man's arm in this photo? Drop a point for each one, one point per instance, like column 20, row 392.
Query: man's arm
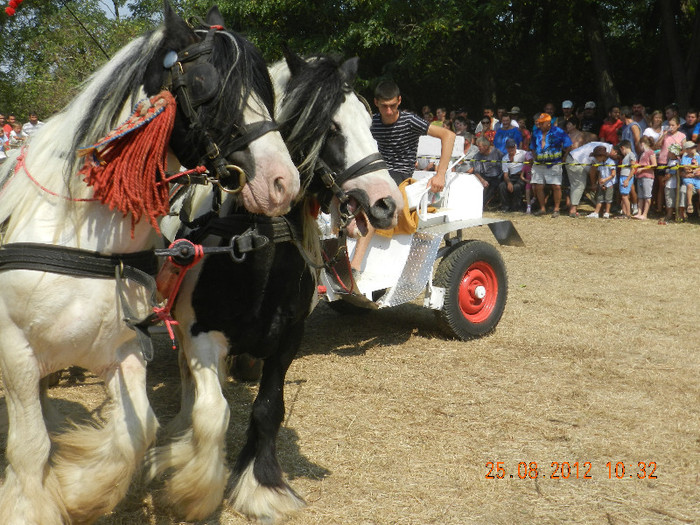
column 447, row 137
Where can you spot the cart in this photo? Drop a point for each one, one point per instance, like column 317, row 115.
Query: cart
column 468, row 287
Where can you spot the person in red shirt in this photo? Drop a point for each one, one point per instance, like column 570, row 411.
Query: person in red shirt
column 609, row 131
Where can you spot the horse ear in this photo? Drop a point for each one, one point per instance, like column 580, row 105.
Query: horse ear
column 214, row 17
column 294, row 61
column 178, row 34
column 349, row 69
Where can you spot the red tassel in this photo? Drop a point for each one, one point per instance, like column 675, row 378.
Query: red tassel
column 126, row 166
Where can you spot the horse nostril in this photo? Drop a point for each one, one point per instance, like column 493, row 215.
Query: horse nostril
column 381, row 214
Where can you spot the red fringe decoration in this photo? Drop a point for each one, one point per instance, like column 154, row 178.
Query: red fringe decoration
column 126, row 167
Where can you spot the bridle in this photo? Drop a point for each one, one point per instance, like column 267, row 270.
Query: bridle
column 182, row 70
column 333, row 180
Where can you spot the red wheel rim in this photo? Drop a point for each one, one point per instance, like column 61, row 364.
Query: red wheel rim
column 478, row 292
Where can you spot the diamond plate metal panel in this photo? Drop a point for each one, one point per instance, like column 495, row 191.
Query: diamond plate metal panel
column 416, row 272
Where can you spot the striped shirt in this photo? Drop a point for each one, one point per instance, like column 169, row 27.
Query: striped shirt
column 398, row 142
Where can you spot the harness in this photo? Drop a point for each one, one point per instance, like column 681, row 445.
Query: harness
column 183, row 71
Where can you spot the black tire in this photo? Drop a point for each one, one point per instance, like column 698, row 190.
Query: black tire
column 470, row 269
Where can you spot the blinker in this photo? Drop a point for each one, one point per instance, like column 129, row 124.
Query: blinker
column 170, row 59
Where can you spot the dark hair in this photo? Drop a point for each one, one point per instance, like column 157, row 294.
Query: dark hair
column 626, row 111
column 386, row 90
column 573, row 120
column 625, row 144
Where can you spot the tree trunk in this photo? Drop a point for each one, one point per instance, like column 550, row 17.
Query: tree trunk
column 692, row 65
column 605, row 86
column 675, row 53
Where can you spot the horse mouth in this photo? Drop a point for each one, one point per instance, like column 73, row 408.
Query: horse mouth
column 358, row 226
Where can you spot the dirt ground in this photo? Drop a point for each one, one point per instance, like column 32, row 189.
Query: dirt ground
column 595, row 361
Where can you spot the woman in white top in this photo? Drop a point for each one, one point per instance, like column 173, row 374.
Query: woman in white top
column 655, row 129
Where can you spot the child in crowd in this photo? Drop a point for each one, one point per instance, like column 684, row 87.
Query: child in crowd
column 17, row 136
column 604, row 171
column 672, row 194
column 626, row 157
column 690, row 171
column 645, row 177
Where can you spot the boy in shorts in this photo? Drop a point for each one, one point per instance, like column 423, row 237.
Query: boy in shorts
column 604, row 170
column 690, row 166
column 626, row 157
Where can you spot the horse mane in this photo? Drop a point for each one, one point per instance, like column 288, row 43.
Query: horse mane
column 311, row 95
column 108, row 97
column 105, row 99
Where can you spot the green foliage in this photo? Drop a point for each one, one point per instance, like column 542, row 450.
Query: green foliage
column 441, row 52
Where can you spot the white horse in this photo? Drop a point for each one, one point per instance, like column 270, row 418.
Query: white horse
column 51, row 319
column 258, row 306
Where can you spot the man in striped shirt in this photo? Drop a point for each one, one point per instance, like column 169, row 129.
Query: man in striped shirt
column 397, row 133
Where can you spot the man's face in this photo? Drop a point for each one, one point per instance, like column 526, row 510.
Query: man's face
column 549, row 108
column 505, row 121
column 459, row 126
column 11, row 119
column 33, row 118
column 615, row 113
column 638, row 109
column 545, row 125
column 511, row 150
column 2, row 120
column 488, row 113
column 691, row 118
column 484, row 148
column 566, row 111
column 388, row 109
column 669, row 113
column 440, row 114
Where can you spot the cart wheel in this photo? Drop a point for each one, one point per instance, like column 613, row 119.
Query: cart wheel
column 476, row 287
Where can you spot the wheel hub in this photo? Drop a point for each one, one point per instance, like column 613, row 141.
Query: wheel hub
column 478, row 292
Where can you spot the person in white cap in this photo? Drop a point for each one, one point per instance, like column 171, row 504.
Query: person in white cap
column 590, row 121
column 567, row 112
column 690, row 166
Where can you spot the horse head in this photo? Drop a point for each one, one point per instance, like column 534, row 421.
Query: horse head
column 326, row 126
column 224, row 105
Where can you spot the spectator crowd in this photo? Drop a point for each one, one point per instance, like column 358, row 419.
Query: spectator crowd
column 629, row 163
column 14, row 133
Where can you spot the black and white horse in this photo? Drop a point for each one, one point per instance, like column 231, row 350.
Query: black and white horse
column 73, row 270
column 258, row 306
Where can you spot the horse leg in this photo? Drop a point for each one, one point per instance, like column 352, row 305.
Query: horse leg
column 196, row 457
column 30, row 493
column 95, row 464
column 260, row 490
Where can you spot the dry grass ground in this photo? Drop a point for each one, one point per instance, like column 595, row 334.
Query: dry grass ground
column 595, row 361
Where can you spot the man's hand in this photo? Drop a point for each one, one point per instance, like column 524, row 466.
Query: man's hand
column 437, row 183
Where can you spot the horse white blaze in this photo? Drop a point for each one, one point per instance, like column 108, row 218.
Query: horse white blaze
column 276, row 181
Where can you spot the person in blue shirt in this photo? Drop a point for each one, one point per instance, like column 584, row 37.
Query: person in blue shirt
column 549, row 146
column 506, row 131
